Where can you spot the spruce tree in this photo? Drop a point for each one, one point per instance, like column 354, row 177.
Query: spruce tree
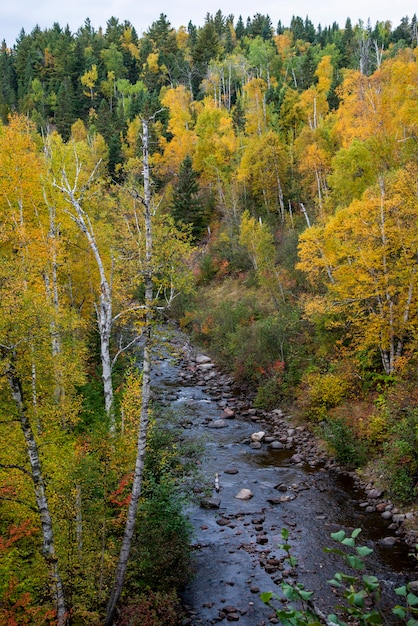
column 186, row 207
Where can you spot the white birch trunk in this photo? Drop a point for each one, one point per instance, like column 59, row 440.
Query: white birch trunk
column 104, row 309
column 48, row 547
column 146, row 386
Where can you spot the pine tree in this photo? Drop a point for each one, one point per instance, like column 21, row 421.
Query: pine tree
column 186, row 206
column 65, row 114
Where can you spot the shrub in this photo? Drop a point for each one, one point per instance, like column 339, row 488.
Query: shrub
column 348, row 449
column 322, row 392
column 400, row 459
column 151, row 608
column 268, row 394
column 161, row 550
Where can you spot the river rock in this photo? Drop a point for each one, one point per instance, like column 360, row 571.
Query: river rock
column 210, row 503
column 374, row 494
column 258, row 436
column 389, row 541
column 276, row 445
column 296, row 458
column 413, row 586
column 281, row 487
column 231, row 470
column 205, row 366
column 387, row 515
column 218, row 424
column 255, row 445
column 228, row 413
column 201, row 359
column 244, row 494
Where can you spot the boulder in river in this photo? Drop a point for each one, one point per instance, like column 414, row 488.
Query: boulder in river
column 244, row 494
column 210, row 503
column 217, row 424
column 258, row 436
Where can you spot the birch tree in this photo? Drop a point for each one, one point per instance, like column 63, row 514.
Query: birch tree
column 146, row 387
column 366, row 254
column 25, row 319
column 160, row 254
column 77, row 181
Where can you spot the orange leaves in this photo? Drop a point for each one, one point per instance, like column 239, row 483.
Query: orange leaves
column 17, row 532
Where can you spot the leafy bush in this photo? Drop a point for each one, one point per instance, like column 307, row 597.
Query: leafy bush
column 151, row 608
column 321, row 392
column 161, row 549
column 269, row 394
column 349, row 450
column 400, row 459
column 359, row 594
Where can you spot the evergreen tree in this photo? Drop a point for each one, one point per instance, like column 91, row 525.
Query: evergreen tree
column 65, row 113
column 7, row 82
column 186, row 207
column 240, row 28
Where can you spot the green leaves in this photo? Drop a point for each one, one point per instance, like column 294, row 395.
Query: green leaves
column 360, row 595
column 409, row 610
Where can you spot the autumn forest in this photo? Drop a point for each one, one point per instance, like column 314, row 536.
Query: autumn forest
column 252, row 184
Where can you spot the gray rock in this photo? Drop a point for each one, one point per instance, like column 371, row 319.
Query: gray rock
column 276, row 445
column 258, row 436
column 389, row 541
column 217, row 424
column 210, row 503
column 281, row 487
column 296, row 458
column 244, row 494
column 205, row 366
column 374, row 494
column 200, row 359
column 256, row 445
column 413, row 586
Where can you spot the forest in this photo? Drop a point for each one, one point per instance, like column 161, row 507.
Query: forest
column 257, row 185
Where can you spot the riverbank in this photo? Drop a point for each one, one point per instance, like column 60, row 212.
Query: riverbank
column 282, row 432
column 267, row 472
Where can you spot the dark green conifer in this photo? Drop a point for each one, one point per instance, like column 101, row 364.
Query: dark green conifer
column 186, row 207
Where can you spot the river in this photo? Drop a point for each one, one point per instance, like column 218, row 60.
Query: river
column 235, row 545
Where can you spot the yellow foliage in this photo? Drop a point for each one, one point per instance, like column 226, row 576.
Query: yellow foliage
column 322, row 392
column 152, row 62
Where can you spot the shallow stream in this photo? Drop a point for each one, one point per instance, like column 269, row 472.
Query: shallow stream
column 235, row 546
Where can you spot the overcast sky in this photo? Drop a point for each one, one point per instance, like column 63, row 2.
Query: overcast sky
column 18, row 14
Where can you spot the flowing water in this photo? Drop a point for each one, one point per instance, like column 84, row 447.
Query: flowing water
column 235, row 547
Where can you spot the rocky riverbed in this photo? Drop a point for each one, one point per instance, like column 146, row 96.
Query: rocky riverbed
column 266, row 473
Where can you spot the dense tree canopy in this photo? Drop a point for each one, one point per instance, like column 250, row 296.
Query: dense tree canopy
column 280, row 157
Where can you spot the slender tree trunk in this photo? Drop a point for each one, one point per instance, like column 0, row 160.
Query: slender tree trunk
column 48, row 550
column 146, row 386
column 104, row 309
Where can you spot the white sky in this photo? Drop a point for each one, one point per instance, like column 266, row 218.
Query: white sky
column 18, row 14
